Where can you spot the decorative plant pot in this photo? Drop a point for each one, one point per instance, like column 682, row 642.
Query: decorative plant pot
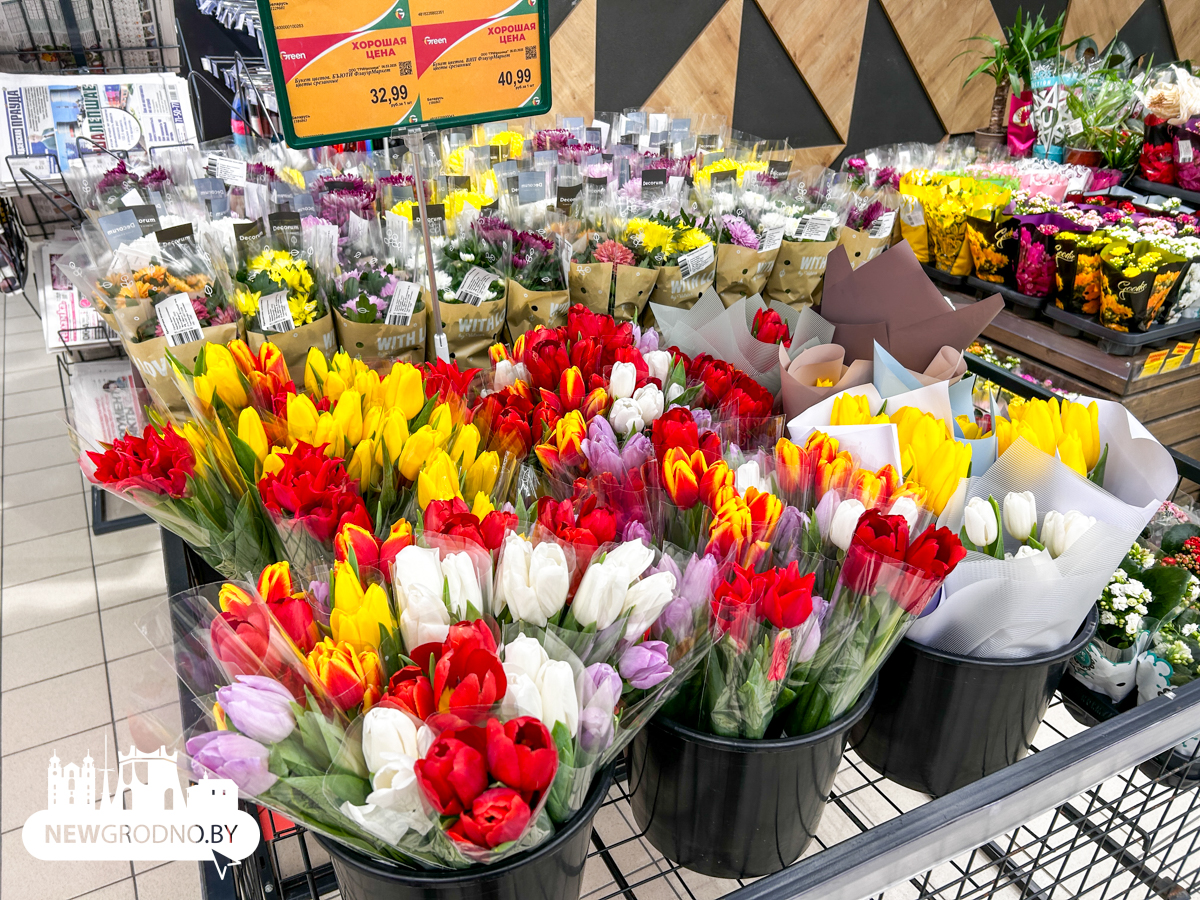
column 942, row 721
column 987, row 140
column 551, row 870
column 1083, row 156
column 734, row 808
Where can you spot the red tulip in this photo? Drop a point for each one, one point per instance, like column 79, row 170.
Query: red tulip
column 366, row 547
column 885, row 535
column 734, row 603
column 495, row 525
column 160, row 463
column 572, row 388
column 315, row 492
column 675, row 428
column 931, row 557
column 410, row 690
column 787, row 600
column 295, row 615
column 446, row 379
column 521, row 754
column 496, row 817
column 241, row 638
column 400, row 535
column 769, row 327
column 453, row 773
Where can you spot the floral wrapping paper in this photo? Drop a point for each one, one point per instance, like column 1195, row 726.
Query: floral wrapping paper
column 1137, row 281
column 1078, row 275
column 992, row 247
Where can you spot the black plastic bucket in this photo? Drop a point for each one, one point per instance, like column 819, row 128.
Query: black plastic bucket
column 942, row 721
column 733, row 808
column 552, row 870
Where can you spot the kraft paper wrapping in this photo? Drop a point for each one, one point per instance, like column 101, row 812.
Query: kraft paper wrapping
column 294, row 345
column 799, row 377
column 671, row 289
column 401, row 343
column 742, row 272
column 470, row 331
column 150, row 357
column 861, row 247
column 527, row 309
column 590, row 285
column 799, row 272
column 634, row 287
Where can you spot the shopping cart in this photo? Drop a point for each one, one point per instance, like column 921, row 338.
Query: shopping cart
column 1103, row 809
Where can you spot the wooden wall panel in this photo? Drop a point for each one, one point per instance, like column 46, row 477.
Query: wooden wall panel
column 573, row 61
column 704, row 79
column 1102, row 19
column 1183, row 16
column 974, row 104
column 824, row 40
column 815, row 156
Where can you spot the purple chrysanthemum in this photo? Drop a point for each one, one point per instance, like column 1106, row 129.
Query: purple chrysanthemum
column 740, row 233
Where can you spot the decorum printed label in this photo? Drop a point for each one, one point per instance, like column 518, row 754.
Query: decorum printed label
column 150, row 819
column 404, row 300
column 384, row 63
column 178, row 319
column 274, row 314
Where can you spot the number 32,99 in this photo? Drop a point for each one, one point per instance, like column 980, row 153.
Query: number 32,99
column 394, row 94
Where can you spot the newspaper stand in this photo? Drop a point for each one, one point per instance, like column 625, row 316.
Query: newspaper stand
column 1101, row 813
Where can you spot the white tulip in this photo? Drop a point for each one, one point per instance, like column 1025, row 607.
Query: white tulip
column 387, row 733
column 1059, row 532
column 980, row 521
column 749, row 474
column 601, row 595
column 646, row 599
column 650, row 401
column 659, row 364
column 394, row 805
column 674, row 392
column 1024, row 552
column 556, row 684
column 506, row 375
column 845, row 520
column 533, row 581
column 622, row 381
column 626, row 417
column 907, row 507
column 1020, row 514
column 524, row 655
column 417, row 566
column 462, row 584
column 633, row 556
column 424, row 618
column 522, row 697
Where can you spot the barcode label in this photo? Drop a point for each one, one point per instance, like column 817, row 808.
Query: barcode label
column 882, row 226
column 1185, row 150
column 771, row 239
column 274, row 314
column 404, row 301
column 231, row 171
column 474, row 286
column 697, row 261
column 178, row 320
column 816, row 228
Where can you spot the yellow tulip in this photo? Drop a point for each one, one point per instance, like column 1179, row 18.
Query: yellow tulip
column 1083, row 422
column 442, row 420
column 316, row 370
column 221, row 377
column 367, row 383
column 393, row 432
column 480, row 477
column 347, row 412
column 482, row 506
column 1038, row 418
column 361, row 466
column 1070, row 452
column 329, row 435
column 251, row 431
column 942, row 472
column 420, row 444
column 438, row 480
column 273, row 464
column 404, row 388
column 466, row 445
column 302, row 418
column 854, row 409
column 970, row 428
column 335, row 384
column 358, row 615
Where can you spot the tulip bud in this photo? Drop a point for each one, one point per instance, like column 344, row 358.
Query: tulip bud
column 749, row 474
column 404, row 389
column 462, row 585
column 480, row 478
column 646, row 599
column 465, row 446
column 442, row 421
column 400, row 535
column 1020, row 514
column 626, row 417
column 252, row 433
column 979, row 519
column 1059, row 532
column 622, row 381
column 361, row 467
column 347, row 413
column 524, row 655
column 1023, row 552
column 601, row 595
column 845, row 520
column 387, row 733
column 438, row 480
column 650, row 402
column 556, row 684
column 907, row 507
column 659, row 364
column 302, row 417
column 393, row 433
column 316, row 370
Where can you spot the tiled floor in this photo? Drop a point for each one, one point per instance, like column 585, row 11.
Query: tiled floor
column 73, row 664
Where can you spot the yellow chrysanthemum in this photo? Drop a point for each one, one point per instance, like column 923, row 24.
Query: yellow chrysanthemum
column 691, row 239
column 514, row 140
column 649, row 235
column 456, row 161
column 456, row 201
column 247, row 301
column 405, row 208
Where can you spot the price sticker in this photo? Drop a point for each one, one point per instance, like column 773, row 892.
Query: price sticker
column 403, row 302
column 178, row 319
column 816, row 227
column 882, row 226
column 1185, row 150
column 230, row 171
column 1154, row 362
column 474, row 286
column 697, row 261
column 772, row 238
column 274, row 314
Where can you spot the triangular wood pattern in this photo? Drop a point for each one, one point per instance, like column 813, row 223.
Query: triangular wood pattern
column 974, row 104
column 824, row 40
column 815, row 156
column 1102, row 19
column 1184, row 21
column 704, row 78
column 573, row 62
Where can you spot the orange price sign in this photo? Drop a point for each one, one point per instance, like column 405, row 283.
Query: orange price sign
column 359, row 70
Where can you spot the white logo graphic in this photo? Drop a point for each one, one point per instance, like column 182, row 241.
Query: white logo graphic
column 149, row 819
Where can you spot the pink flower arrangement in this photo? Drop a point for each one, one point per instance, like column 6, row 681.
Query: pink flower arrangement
column 1035, row 265
column 740, row 233
column 615, row 253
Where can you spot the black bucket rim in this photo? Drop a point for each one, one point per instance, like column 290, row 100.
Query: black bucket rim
column 1085, row 633
column 775, row 745
column 430, row 878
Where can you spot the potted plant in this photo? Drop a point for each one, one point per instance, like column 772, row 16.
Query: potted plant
column 1010, row 64
column 1106, row 131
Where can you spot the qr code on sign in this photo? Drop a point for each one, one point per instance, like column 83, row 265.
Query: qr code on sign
column 531, row 52
column 404, row 68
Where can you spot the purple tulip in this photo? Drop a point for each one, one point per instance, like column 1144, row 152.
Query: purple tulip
column 698, row 579
column 637, row 450
column 601, row 677
column 636, row 531
column 703, row 419
column 645, row 665
column 595, row 729
column 812, row 639
column 824, row 512
column 319, row 592
column 600, row 448
column 259, row 707
column 677, row 617
column 791, row 523
column 647, row 341
column 232, row 756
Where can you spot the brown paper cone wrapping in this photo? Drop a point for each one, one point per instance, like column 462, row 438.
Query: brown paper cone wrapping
column 527, row 309
column 670, row 289
column 470, row 331
column 635, row 284
column 741, row 272
column 861, row 247
column 799, row 273
column 402, row 343
column 294, row 345
column 798, row 377
column 590, row 284
column 150, row 357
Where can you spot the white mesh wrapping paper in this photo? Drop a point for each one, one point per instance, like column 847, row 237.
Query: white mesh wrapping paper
column 1007, row 609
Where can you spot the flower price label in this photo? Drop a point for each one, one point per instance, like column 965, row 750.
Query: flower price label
column 772, row 238
column 882, row 226
column 274, row 313
column 404, row 301
column 353, row 71
column 474, row 286
column 697, row 261
column 816, row 227
column 1185, row 150
column 178, row 319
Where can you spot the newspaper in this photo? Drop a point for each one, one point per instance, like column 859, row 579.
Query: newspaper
column 103, row 398
column 45, row 115
column 68, row 318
